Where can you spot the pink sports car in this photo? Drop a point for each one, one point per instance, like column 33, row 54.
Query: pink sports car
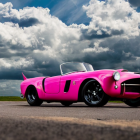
column 79, row 82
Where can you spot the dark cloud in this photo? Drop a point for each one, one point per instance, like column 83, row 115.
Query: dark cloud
column 15, row 74
column 20, row 51
column 121, row 53
column 6, row 53
column 49, row 67
column 94, row 34
column 34, row 71
column 8, row 19
column 23, row 22
column 28, row 22
column 117, row 32
column 135, row 3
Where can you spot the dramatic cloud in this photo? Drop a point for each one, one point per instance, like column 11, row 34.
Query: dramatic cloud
column 35, row 42
column 10, row 87
column 135, row 2
column 112, row 17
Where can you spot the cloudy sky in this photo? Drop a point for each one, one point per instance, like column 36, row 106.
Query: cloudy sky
column 36, row 36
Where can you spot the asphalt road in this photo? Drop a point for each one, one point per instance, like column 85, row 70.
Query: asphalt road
column 19, row 121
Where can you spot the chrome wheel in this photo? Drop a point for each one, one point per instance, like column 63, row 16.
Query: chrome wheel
column 93, row 94
column 31, row 96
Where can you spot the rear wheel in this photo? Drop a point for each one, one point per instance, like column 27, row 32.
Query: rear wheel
column 93, row 94
column 132, row 102
column 66, row 103
column 32, row 97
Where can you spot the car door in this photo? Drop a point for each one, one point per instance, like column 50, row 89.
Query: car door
column 52, row 85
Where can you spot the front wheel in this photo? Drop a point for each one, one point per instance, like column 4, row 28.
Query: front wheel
column 32, row 97
column 93, row 94
column 132, row 102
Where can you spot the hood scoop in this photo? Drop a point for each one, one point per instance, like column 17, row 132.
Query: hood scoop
column 124, row 70
column 136, row 72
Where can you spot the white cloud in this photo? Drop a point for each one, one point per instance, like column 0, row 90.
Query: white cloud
column 113, row 15
column 16, row 63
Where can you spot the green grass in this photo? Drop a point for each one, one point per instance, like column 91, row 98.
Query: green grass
column 116, row 101
column 11, row 98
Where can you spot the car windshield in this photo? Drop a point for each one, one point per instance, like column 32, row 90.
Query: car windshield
column 71, row 67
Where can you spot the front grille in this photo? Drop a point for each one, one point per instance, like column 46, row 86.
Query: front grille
column 132, row 81
column 132, row 89
column 136, row 72
column 132, row 85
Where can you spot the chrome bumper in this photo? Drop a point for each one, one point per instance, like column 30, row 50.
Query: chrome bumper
column 21, row 96
column 129, row 88
column 130, row 84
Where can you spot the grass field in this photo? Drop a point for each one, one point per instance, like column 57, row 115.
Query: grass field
column 11, row 98
column 15, row 98
column 116, row 101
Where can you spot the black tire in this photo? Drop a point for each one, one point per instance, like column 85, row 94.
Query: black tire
column 32, row 97
column 93, row 94
column 66, row 103
column 132, row 102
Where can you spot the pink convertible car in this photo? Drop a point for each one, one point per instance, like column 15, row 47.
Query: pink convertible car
column 79, row 82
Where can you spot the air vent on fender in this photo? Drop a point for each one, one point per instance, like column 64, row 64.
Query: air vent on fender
column 43, row 83
column 136, row 72
column 67, row 85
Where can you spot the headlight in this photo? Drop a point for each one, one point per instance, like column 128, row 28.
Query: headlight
column 116, row 76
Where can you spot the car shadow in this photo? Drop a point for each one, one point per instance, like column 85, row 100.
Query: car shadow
column 80, row 106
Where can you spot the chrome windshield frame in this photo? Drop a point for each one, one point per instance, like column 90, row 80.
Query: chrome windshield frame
column 72, row 71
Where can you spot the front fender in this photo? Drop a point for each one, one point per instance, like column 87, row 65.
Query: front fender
column 108, row 84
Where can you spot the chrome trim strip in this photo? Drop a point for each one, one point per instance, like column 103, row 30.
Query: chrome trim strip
column 130, row 84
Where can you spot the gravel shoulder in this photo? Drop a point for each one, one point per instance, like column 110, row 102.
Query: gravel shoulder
column 38, row 129
column 19, row 121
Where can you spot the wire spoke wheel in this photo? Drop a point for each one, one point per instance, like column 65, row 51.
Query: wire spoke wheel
column 31, row 95
column 93, row 94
